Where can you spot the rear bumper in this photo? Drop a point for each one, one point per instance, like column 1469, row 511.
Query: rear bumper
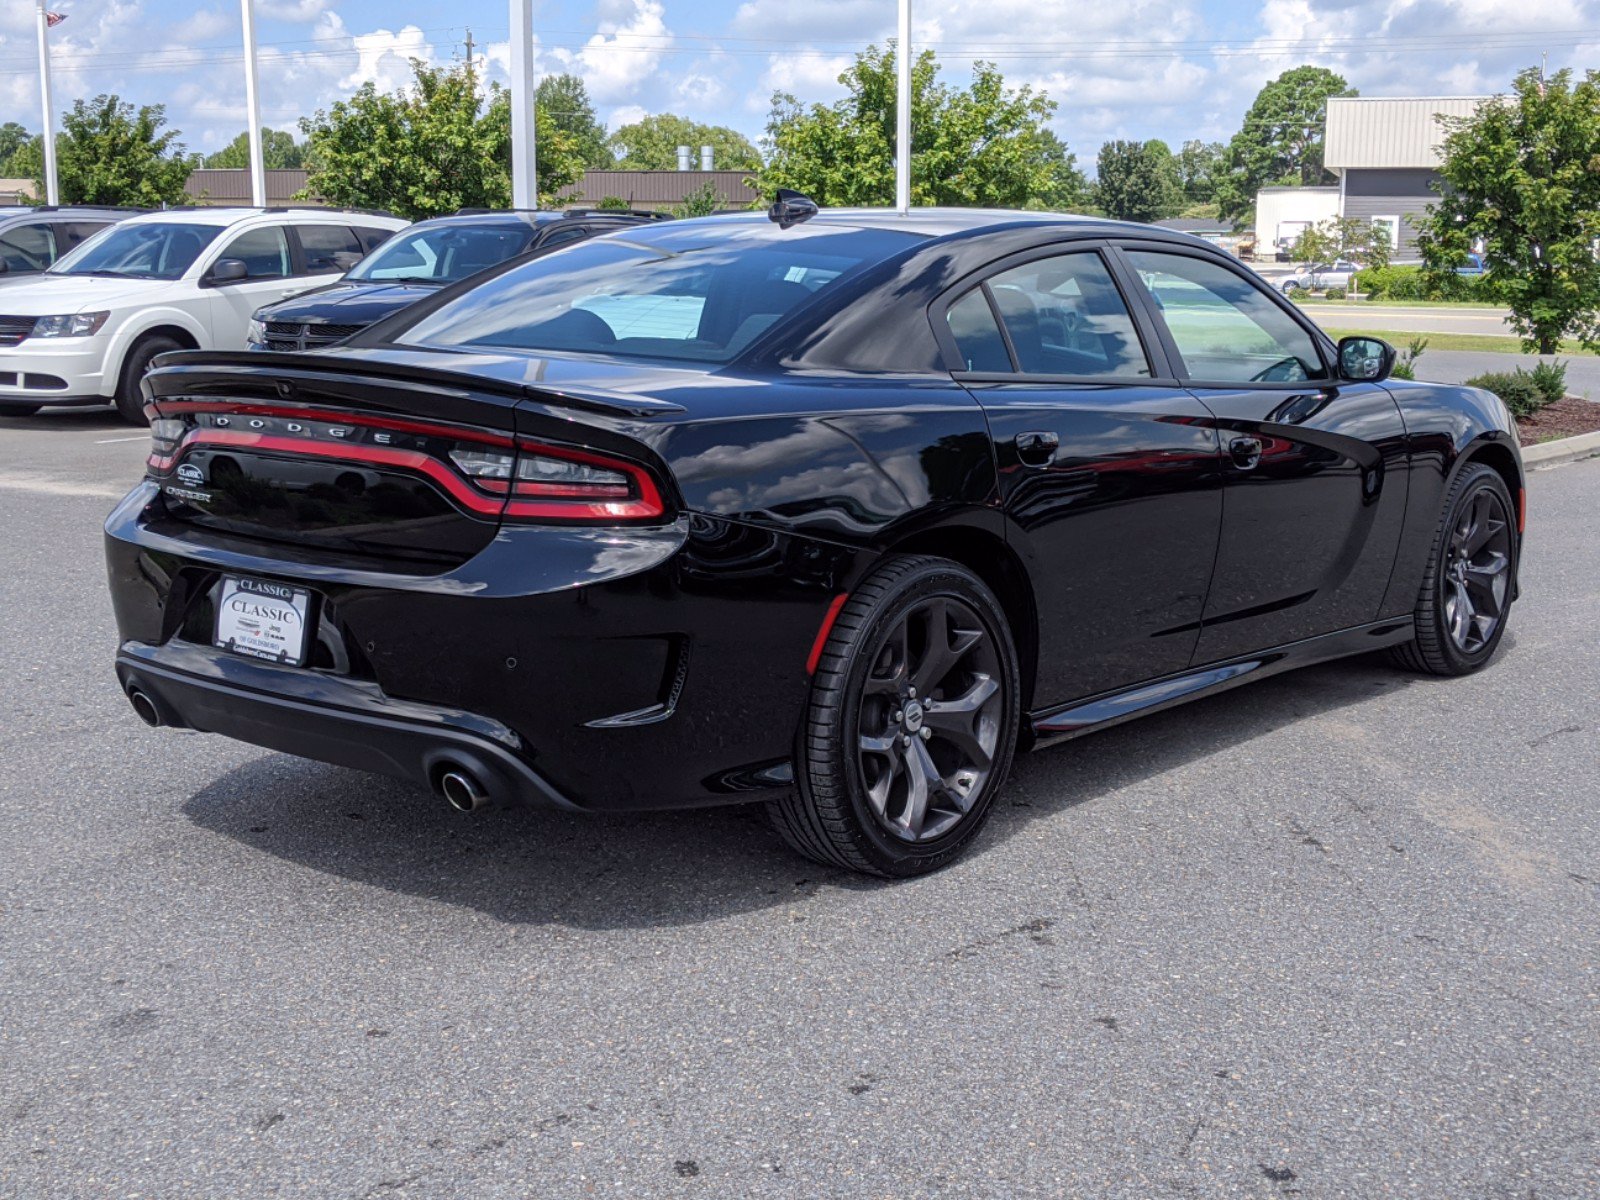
column 331, row 722
column 608, row 670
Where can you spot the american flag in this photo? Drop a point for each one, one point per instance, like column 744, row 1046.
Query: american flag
column 51, row 19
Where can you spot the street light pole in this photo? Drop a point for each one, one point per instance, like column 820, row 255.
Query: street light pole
column 258, row 170
column 52, row 194
column 524, row 151
column 902, row 116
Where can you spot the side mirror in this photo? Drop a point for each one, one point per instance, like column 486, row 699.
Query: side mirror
column 227, row 270
column 1365, row 359
column 791, row 208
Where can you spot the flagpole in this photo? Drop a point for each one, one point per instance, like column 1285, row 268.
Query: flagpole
column 258, row 171
column 51, row 193
column 524, row 134
column 902, row 116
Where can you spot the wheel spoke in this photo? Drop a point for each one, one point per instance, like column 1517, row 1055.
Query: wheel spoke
column 1482, row 532
column 947, row 645
column 879, row 790
column 917, row 769
column 956, row 721
column 892, row 680
column 1486, row 583
column 1460, row 614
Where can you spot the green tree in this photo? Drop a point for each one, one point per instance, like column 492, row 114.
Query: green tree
column 108, row 152
column 427, row 150
column 1281, row 139
column 1522, row 176
column 1066, row 188
column 985, row 144
column 701, row 202
column 1136, row 181
column 1199, row 166
column 1349, row 238
column 279, row 151
column 652, row 145
column 13, row 137
column 567, row 107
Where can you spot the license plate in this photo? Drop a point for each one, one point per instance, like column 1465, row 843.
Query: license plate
column 263, row 619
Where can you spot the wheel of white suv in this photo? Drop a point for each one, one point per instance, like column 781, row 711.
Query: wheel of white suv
column 130, row 400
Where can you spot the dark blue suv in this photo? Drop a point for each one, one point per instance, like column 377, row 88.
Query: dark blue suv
column 417, row 262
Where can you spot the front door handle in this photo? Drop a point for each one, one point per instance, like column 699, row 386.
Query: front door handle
column 1037, row 448
column 1246, row 452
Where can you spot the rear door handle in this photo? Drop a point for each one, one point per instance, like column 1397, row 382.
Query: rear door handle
column 1246, row 452
column 1037, row 448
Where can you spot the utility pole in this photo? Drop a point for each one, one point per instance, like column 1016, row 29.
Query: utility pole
column 52, row 194
column 471, row 78
column 252, row 100
column 524, row 152
column 902, row 116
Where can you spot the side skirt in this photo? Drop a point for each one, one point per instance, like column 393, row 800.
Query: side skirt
column 1112, row 708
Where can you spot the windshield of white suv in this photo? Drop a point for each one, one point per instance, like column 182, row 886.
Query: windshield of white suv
column 442, row 254
column 156, row 250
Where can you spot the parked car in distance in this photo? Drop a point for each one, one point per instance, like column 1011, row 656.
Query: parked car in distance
column 1473, row 265
column 31, row 239
column 426, row 257
column 1320, row 277
column 86, row 330
column 833, row 510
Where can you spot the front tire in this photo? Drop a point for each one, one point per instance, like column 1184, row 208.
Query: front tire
column 911, row 724
column 1471, row 576
column 130, row 397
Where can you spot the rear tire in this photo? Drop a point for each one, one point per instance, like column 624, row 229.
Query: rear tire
column 1471, row 575
column 911, row 725
column 129, row 398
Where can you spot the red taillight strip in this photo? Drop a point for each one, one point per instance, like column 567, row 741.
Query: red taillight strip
column 1522, row 510
column 460, row 433
column 822, row 633
column 383, row 456
column 646, row 504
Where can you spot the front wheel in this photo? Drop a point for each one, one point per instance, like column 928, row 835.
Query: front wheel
column 911, row 724
column 1469, row 581
column 130, row 396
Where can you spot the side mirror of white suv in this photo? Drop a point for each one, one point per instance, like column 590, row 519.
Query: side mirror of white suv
column 226, row 270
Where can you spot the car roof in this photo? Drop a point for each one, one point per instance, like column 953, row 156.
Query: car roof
column 24, row 212
column 504, row 218
column 946, row 222
column 232, row 216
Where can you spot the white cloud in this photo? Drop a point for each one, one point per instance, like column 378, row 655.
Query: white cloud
column 626, row 114
column 624, row 53
column 291, row 10
column 384, row 57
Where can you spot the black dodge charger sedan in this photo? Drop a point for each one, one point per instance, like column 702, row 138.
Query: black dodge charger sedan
column 833, row 510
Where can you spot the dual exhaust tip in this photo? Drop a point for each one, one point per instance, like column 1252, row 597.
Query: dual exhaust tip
column 460, row 788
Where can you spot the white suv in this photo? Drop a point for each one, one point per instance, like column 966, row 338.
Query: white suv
column 84, row 331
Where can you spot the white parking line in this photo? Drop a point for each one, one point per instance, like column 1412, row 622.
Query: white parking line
column 138, row 437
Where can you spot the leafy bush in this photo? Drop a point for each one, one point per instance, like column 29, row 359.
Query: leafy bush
column 1405, row 365
column 1551, row 380
column 1298, row 295
column 1419, row 283
column 1333, row 293
column 1517, row 388
column 613, row 204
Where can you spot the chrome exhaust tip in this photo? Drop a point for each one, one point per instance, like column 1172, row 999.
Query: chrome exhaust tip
column 461, row 791
column 144, row 707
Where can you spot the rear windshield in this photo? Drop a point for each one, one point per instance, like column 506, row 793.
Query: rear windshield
column 699, row 292
column 442, row 254
column 147, row 250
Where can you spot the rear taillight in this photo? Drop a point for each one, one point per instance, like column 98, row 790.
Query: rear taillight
column 165, row 434
column 489, row 474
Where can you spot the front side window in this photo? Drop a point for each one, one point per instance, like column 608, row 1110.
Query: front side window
column 1225, row 327
column 1065, row 317
column 28, row 248
column 147, row 250
column 701, row 292
column 442, row 254
column 264, row 252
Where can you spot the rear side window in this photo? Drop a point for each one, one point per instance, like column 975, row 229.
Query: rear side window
column 372, row 236
column 1065, row 317
column 329, row 247
column 264, row 252
column 977, row 334
column 69, row 235
column 28, row 248
column 1227, row 329
column 700, row 292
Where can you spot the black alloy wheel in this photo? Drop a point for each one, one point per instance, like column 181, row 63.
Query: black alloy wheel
column 911, row 726
column 1470, row 579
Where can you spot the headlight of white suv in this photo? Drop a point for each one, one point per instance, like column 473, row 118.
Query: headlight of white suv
column 256, row 334
column 69, row 325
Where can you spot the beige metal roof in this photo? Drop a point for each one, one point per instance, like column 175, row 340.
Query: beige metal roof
column 231, row 185
column 1390, row 131
column 654, row 189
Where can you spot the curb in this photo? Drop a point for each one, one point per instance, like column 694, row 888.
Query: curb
column 1561, row 451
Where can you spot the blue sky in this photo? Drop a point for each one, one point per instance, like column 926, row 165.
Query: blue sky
column 1174, row 69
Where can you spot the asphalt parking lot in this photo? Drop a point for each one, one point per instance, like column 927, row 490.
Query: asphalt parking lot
column 1331, row 935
